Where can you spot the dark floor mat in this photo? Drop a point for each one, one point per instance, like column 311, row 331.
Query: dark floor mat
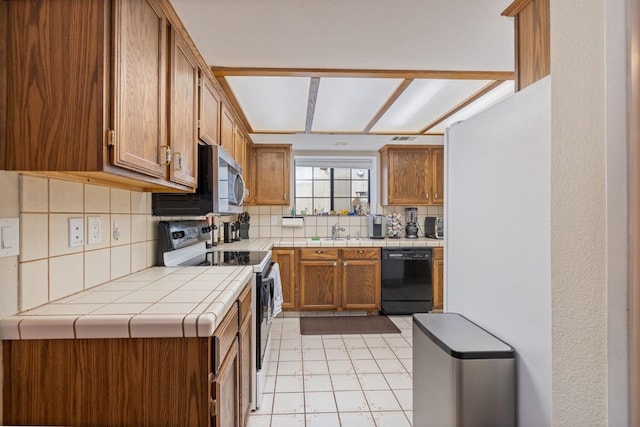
column 339, row 325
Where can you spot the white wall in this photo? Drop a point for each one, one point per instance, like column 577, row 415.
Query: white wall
column 578, row 213
column 498, row 235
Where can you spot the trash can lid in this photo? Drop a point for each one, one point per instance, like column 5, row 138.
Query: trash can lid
column 461, row 338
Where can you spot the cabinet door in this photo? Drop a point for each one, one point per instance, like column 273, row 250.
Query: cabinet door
column 437, row 175
column 319, row 285
column 227, row 130
column 244, row 349
column 225, row 391
column 438, row 279
column 209, row 117
column 286, row 260
column 409, row 176
column 272, row 176
column 361, row 285
column 140, row 70
column 183, row 135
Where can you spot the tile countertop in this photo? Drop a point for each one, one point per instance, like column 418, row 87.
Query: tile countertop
column 161, row 301
column 265, row 244
column 156, row 302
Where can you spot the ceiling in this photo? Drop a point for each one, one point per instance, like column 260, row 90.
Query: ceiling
column 352, row 75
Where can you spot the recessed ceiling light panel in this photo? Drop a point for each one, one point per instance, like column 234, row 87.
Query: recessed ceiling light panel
column 272, row 103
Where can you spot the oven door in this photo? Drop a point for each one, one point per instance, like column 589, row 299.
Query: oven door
column 264, row 314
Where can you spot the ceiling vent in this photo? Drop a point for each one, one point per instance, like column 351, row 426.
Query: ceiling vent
column 403, row 138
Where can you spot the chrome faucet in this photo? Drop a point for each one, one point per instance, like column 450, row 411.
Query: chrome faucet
column 334, row 231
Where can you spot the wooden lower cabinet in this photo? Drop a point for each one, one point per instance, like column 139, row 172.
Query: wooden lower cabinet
column 225, row 391
column 438, row 279
column 320, row 285
column 361, row 279
column 245, row 360
column 339, row 279
column 286, row 259
column 128, row 381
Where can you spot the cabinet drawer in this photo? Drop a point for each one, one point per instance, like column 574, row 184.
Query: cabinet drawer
column 244, row 304
column 225, row 336
column 437, row 252
column 318, row 253
column 361, row 253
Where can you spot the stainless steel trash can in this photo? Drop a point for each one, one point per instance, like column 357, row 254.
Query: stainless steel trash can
column 462, row 375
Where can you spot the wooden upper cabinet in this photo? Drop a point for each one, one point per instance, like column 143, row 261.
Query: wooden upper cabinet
column 183, row 106
column 209, row 117
column 532, row 40
column 227, row 130
column 405, row 176
column 411, row 175
column 103, row 92
column 139, row 87
column 239, row 147
column 271, row 174
column 437, row 175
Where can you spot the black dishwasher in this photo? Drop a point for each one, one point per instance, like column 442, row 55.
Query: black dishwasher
column 407, row 281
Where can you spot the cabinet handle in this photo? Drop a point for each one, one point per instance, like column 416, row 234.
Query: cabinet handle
column 284, row 196
column 427, row 196
column 167, row 156
column 344, row 264
column 213, row 408
column 179, row 161
column 335, row 264
column 435, row 196
column 319, row 252
column 360, row 251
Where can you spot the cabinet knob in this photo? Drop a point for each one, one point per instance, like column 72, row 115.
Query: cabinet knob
column 435, row 196
column 319, row 252
column 360, row 251
column 344, row 263
column 335, row 264
column 179, row 161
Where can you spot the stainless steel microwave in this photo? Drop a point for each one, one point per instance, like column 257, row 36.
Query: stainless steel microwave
column 220, row 189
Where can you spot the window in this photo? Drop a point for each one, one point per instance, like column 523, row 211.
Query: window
column 323, row 185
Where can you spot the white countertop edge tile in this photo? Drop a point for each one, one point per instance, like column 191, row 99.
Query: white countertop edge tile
column 54, row 327
column 206, row 325
column 9, row 328
column 156, row 326
column 103, row 326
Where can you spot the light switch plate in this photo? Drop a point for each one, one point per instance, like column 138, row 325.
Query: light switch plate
column 76, row 232
column 94, row 230
column 9, row 237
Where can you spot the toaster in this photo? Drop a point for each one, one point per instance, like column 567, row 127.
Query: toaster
column 434, row 227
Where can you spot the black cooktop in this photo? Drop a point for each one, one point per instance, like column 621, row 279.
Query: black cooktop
column 218, row 258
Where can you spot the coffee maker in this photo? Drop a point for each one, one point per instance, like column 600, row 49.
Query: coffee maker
column 411, row 229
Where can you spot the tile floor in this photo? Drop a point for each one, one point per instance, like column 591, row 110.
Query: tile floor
column 337, row 380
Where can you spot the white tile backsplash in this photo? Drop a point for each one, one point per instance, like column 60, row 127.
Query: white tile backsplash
column 96, row 199
column 66, row 275
column 97, row 267
column 139, row 202
column 120, row 201
column 66, row 196
column 44, row 234
column 34, row 235
column 34, row 194
column 34, row 284
column 120, row 261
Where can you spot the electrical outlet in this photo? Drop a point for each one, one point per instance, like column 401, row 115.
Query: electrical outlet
column 274, row 219
column 94, row 230
column 76, row 231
